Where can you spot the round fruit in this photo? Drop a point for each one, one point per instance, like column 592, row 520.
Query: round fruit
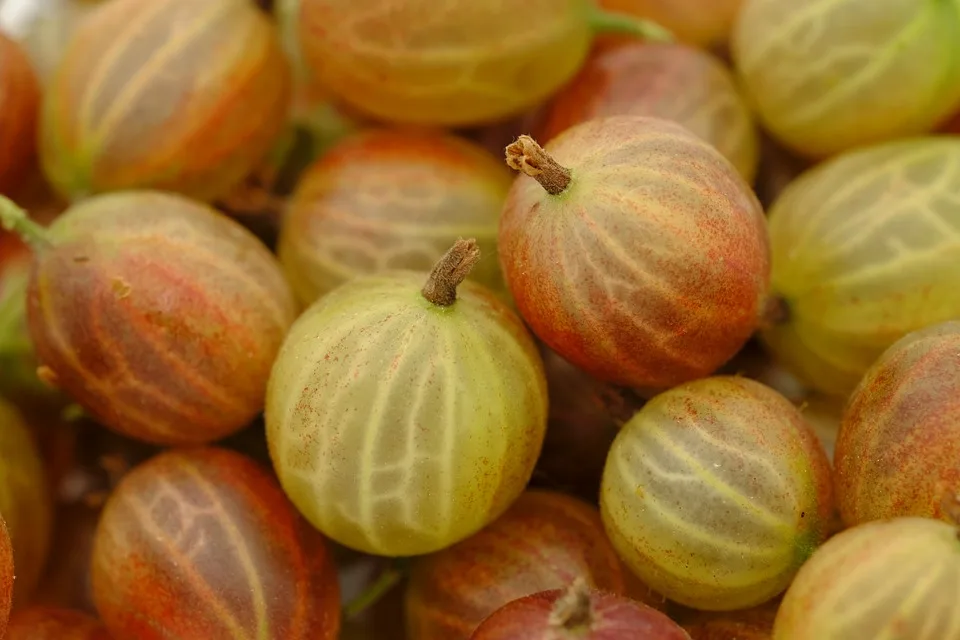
column 747, row 624
column 158, row 315
column 577, row 613
column 899, row 443
column 44, row 29
column 201, row 543
column 895, row 578
column 544, row 541
column 831, row 76
column 865, row 250
column 635, row 250
column 385, row 199
column 175, row 95
column 19, row 105
column 716, row 492
column 697, row 22
column 669, row 81
column 7, row 569
column 25, row 501
column 52, row 623
column 403, row 417
column 457, row 64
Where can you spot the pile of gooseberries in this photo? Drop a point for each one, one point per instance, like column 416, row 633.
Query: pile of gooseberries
column 479, row 320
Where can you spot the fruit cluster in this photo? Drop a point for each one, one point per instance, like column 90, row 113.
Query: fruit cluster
column 480, row 320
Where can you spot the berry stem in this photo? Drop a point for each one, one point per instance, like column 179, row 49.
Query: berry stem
column 775, row 312
column 528, row 157
column 452, row 269
column 15, row 219
column 612, row 22
column 950, row 504
column 387, row 580
column 573, row 610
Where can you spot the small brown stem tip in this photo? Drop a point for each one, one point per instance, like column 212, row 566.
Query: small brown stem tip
column 528, row 157
column 950, row 505
column 573, row 610
column 452, row 269
column 775, row 312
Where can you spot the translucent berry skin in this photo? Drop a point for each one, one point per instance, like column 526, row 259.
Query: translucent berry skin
column 19, row 107
column 399, row 427
column 201, row 543
column 899, row 441
column 544, row 541
column 160, row 316
column 865, row 248
column 7, row 570
column 716, row 492
column 697, row 22
column 52, row 623
column 391, row 199
column 613, row 618
column 829, row 77
column 174, row 95
column 670, row 81
column 895, row 578
column 454, row 63
column 642, row 273
column 25, row 501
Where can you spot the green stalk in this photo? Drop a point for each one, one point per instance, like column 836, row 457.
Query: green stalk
column 614, row 23
column 15, row 219
column 388, row 579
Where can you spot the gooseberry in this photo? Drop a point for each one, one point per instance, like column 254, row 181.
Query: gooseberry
column 403, row 417
column 174, row 95
column 391, row 199
column 201, row 543
column 716, row 492
column 7, row 570
column 19, row 106
column 157, row 314
column 635, row 250
column 899, row 441
column 52, row 623
column 698, row 22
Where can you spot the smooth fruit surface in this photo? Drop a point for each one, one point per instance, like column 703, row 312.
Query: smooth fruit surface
column 716, row 492
column 644, row 274
column 52, row 623
column 865, row 249
column 897, row 578
column 450, row 63
column 398, row 426
column 826, row 77
column 7, row 570
column 175, row 95
column 160, row 316
column 19, row 106
column 698, row 22
column 899, row 442
column 201, row 543
column 544, row 541
column 391, row 199
column 670, row 81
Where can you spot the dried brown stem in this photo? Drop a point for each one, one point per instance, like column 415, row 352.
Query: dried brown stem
column 528, row 157
column 573, row 610
column 452, row 269
column 775, row 312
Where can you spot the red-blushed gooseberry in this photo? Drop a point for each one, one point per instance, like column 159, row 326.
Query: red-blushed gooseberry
column 19, row 107
column 7, row 572
column 544, row 541
column 577, row 613
column 716, row 492
column 897, row 578
column 25, row 501
column 827, row 77
column 53, row 623
column 755, row 623
column 450, row 63
column 635, row 250
column 689, row 86
column 175, row 95
column 865, row 249
column 406, row 409
column 201, row 543
column 157, row 314
column 699, row 22
column 898, row 451
column 391, row 199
